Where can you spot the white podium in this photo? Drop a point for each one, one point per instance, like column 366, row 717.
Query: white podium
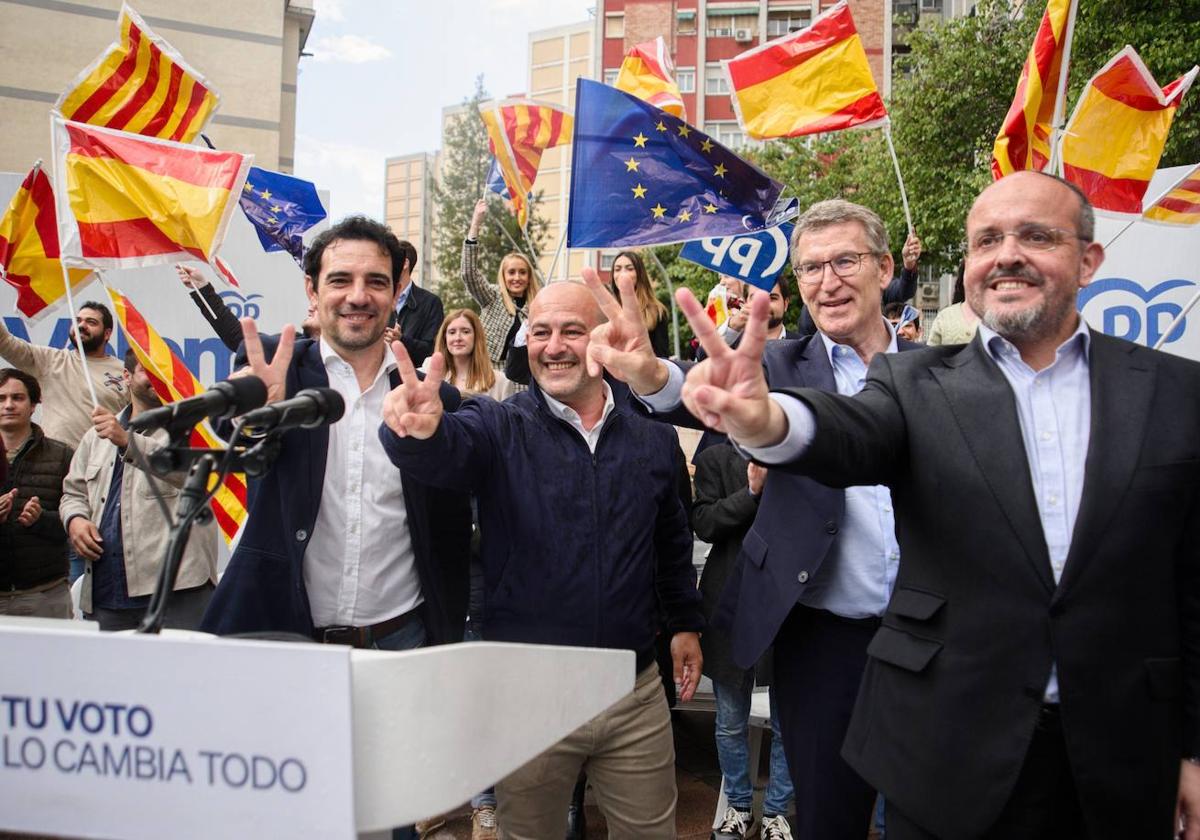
column 186, row 735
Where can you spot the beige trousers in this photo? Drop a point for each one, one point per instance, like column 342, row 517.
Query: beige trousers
column 629, row 755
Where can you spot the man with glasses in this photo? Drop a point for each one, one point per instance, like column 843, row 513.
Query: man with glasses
column 817, row 565
column 1037, row 673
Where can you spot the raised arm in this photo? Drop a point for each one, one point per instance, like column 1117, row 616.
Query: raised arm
column 484, row 292
column 223, row 322
column 24, row 355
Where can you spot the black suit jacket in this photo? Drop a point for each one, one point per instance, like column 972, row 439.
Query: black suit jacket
column 419, row 321
column 263, row 587
column 956, row 675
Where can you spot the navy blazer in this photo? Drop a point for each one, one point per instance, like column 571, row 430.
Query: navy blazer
column 262, row 590
column 796, row 523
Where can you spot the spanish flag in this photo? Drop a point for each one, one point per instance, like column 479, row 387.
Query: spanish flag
column 647, row 74
column 519, row 130
column 1180, row 205
column 1118, row 130
column 808, row 82
column 172, row 382
column 141, row 84
column 126, row 201
column 29, row 247
column 1024, row 138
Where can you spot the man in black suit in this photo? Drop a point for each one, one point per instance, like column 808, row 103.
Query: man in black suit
column 419, row 312
column 1037, row 674
column 339, row 545
column 816, row 568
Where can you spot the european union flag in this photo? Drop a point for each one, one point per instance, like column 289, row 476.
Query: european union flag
column 281, row 208
column 640, row 176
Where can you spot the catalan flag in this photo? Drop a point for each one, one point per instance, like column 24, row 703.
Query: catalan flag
column 127, row 201
column 647, row 74
column 808, row 82
column 29, row 247
column 1118, row 130
column 1180, row 205
column 141, row 84
column 1024, row 138
column 172, row 382
column 519, row 130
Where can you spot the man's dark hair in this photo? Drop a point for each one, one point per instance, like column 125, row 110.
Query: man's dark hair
column 410, row 255
column 32, row 386
column 785, row 288
column 361, row 229
column 105, row 313
column 131, row 361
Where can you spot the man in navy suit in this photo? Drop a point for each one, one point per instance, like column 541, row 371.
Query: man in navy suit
column 339, row 545
column 817, row 565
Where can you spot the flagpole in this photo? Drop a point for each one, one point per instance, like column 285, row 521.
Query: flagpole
column 887, row 133
column 75, row 320
column 1187, row 307
column 557, row 252
column 1057, row 124
column 671, row 296
column 1147, row 205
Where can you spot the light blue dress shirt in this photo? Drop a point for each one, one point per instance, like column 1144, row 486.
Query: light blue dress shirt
column 403, row 299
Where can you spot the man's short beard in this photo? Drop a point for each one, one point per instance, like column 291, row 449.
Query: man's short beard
column 90, row 345
column 773, row 323
column 1032, row 323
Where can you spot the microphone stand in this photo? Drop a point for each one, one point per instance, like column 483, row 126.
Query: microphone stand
column 192, row 507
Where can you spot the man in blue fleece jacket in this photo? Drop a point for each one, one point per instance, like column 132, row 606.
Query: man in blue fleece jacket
column 584, row 538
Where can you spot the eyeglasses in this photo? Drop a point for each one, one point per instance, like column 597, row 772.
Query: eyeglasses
column 843, row 265
column 1029, row 238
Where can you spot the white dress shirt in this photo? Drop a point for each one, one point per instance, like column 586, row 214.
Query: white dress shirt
column 359, row 567
column 564, row 412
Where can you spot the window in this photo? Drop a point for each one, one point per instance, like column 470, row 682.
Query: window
column 607, row 258
column 614, row 25
column 728, row 134
column 685, row 23
column 934, row 6
column 720, row 27
column 610, row 76
column 715, row 82
column 686, row 77
column 781, row 23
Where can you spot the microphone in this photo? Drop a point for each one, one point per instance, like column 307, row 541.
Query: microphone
column 225, row 399
column 309, row 409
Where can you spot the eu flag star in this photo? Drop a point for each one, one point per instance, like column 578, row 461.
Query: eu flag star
column 640, row 141
column 684, row 131
column 685, row 215
column 660, row 126
column 658, row 210
column 706, row 146
column 639, row 191
column 275, row 208
column 710, row 208
column 720, row 170
column 631, row 165
column 266, row 195
column 248, row 187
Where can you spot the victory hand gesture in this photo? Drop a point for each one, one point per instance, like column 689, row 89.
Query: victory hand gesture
column 273, row 375
column 622, row 346
column 728, row 391
column 414, row 407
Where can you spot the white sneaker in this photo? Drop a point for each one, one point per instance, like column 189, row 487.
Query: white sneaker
column 736, row 825
column 775, row 828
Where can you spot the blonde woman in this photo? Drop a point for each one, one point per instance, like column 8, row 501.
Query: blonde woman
column 503, row 305
column 654, row 314
column 467, row 365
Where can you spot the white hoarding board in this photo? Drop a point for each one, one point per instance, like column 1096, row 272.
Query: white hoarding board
column 1149, row 274
column 131, row 736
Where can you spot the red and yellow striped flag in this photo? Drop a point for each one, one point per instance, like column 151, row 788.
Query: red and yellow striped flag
column 173, row 382
column 1117, row 133
column 141, row 84
column 647, row 74
column 29, row 247
column 1024, row 138
column 127, row 201
column 811, row 81
column 1180, row 205
column 519, row 130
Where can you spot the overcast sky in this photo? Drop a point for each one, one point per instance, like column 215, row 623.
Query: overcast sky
column 382, row 70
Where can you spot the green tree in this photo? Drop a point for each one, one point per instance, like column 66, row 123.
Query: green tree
column 465, row 163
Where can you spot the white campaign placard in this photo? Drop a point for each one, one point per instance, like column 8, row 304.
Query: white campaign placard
column 180, row 736
column 1149, row 274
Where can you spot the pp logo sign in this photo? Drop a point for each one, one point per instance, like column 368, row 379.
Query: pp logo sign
column 754, row 257
column 242, row 306
column 1131, row 311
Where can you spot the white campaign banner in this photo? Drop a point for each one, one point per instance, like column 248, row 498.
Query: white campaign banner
column 133, row 736
column 1149, row 274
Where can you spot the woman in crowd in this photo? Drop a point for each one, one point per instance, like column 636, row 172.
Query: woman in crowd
column 654, row 314
column 504, row 304
column 466, row 359
column 956, row 324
